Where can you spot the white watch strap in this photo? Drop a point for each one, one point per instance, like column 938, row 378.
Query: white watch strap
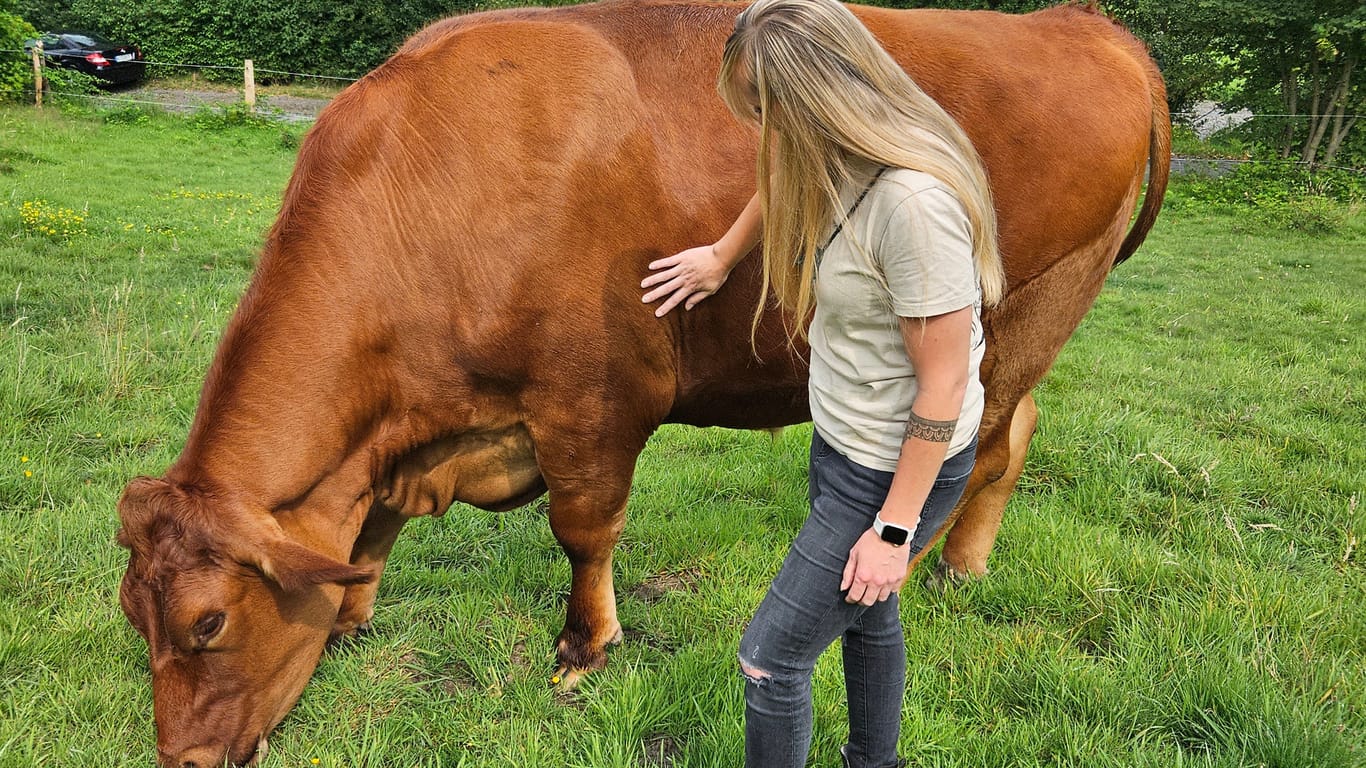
column 879, row 524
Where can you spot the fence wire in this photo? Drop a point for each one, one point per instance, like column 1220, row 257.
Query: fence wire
column 119, row 99
column 222, row 67
column 340, row 78
column 1231, row 120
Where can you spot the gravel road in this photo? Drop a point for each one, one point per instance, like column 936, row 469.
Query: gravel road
column 292, row 109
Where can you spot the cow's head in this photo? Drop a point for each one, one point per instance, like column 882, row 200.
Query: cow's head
column 235, row 614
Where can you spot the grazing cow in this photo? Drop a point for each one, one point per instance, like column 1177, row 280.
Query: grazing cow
column 447, row 309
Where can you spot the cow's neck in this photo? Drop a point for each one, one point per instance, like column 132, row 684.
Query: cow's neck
column 285, row 417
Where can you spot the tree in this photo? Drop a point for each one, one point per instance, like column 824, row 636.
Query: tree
column 1300, row 57
column 1179, row 37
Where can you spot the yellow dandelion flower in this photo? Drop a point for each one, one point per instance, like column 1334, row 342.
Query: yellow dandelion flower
column 28, row 473
column 23, row 459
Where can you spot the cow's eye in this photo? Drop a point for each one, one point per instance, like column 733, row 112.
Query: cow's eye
column 208, row 627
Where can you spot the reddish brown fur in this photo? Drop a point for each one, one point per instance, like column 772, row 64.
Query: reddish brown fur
column 447, row 309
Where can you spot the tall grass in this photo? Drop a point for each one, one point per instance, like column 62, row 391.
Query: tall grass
column 1178, row 582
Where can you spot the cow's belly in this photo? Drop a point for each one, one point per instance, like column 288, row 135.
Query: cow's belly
column 732, row 404
column 494, row 470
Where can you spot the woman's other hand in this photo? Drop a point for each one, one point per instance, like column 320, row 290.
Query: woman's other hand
column 875, row 571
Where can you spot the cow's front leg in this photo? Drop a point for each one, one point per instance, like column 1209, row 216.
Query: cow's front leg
column 372, row 547
column 587, row 525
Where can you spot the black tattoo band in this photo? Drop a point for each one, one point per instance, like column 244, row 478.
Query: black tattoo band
column 929, row 429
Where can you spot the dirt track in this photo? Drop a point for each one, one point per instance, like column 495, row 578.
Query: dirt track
column 289, row 108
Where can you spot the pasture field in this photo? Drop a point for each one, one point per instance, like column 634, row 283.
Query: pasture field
column 1180, row 580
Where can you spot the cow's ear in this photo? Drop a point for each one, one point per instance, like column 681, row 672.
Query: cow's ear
column 145, row 500
column 289, row 564
column 295, row 567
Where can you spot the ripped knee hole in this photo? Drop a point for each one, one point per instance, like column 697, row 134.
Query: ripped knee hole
column 754, row 674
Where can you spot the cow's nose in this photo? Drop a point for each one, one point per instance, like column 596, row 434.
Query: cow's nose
column 197, row 757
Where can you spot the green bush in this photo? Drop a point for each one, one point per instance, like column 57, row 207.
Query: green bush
column 1312, row 215
column 62, row 83
column 1278, row 195
column 16, row 71
column 127, row 114
column 346, row 38
column 221, row 117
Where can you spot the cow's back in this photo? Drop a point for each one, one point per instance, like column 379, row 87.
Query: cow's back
column 518, row 170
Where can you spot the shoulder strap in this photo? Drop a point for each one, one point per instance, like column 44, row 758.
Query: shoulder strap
column 839, row 226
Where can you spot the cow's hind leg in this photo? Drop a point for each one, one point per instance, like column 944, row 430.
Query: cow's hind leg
column 973, row 534
column 376, row 539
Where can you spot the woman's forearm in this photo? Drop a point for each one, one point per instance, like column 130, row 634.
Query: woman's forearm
column 938, row 348
column 742, row 236
column 928, row 432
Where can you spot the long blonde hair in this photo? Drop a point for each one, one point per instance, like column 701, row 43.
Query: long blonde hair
column 829, row 94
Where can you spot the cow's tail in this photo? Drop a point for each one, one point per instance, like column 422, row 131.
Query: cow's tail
column 1159, row 161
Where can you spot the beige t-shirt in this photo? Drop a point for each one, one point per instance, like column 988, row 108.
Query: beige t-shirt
column 905, row 251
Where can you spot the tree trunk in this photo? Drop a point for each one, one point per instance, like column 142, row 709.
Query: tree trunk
column 1339, row 133
column 1342, row 127
column 1321, row 118
column 1290, row 95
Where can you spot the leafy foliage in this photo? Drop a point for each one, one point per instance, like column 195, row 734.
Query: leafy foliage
column 16, row 74
column 1276, row 195
column 1291, row 57
column 346, row 38
column 67, row 82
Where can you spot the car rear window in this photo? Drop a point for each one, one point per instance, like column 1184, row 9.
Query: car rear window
column 85, row 41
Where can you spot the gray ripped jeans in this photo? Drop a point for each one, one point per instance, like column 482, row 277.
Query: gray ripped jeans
column 804, row 612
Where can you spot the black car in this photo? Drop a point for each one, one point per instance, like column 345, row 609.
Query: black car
column 89, row 53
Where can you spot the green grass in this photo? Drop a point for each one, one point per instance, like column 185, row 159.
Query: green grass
column 1179, row 581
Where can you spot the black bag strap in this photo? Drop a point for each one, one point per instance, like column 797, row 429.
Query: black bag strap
column 839, row 227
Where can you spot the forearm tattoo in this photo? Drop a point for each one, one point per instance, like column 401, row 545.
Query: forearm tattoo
column 929, row 429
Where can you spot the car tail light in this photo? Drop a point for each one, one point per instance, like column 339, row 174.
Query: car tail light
column 97, row 59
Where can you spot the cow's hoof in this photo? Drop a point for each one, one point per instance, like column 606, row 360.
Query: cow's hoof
column 945, row 577
column 576, row 664
column 566, row 680
column 347, row 630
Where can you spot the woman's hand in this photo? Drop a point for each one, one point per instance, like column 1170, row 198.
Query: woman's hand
column 875, row 571
column 686, row 277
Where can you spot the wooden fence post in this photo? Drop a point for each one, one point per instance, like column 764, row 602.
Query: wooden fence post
column 249, row 76
column 38, row 75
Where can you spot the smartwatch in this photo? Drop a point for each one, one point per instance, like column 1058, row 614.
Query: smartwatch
column 890, row 532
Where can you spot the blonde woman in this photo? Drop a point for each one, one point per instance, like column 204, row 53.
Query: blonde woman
column 874, row 211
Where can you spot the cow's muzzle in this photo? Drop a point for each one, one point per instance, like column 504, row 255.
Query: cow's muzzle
column 212, row 756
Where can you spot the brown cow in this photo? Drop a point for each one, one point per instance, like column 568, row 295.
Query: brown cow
column 447, row 310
